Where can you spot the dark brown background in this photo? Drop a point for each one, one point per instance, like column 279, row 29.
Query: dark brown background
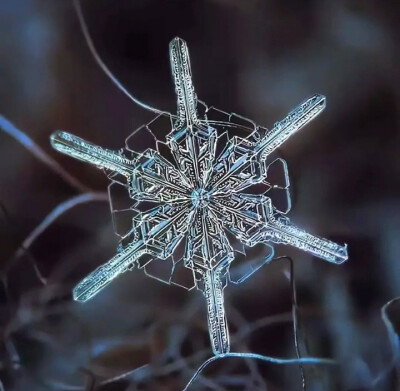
column 256, row 58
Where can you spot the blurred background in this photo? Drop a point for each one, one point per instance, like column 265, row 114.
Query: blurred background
column 257, row 58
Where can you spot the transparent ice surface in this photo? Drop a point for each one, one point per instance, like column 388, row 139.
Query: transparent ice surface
column 192, row 193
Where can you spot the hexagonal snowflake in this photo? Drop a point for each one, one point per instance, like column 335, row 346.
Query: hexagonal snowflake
column 197, row 201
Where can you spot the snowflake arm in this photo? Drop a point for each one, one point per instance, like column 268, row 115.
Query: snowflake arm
column 184, row 89
column 103, row 275
column 292, row 123
column 253, row 220
column 80, row 149
column 156, row 233
column 210, row 254
column 242, row 163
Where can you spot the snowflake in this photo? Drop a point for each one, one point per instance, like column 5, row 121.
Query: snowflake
column 201, row 199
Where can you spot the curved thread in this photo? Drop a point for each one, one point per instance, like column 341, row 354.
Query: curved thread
column 394, row 342
column 294, row 316
column 8, row 263
column 56, row 213
column 104, row 67
column 272, row 360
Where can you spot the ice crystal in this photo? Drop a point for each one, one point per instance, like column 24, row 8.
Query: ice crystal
column 200, row 198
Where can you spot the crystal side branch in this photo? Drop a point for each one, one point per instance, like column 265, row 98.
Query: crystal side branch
column 201, row 199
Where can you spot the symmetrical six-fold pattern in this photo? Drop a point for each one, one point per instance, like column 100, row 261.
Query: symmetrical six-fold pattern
column 202, row 199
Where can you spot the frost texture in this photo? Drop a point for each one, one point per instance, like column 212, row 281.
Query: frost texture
column 187, row 207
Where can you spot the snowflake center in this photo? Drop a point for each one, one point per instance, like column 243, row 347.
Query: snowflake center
column 200, row 198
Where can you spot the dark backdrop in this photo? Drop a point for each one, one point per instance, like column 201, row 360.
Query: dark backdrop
column 258, row 58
